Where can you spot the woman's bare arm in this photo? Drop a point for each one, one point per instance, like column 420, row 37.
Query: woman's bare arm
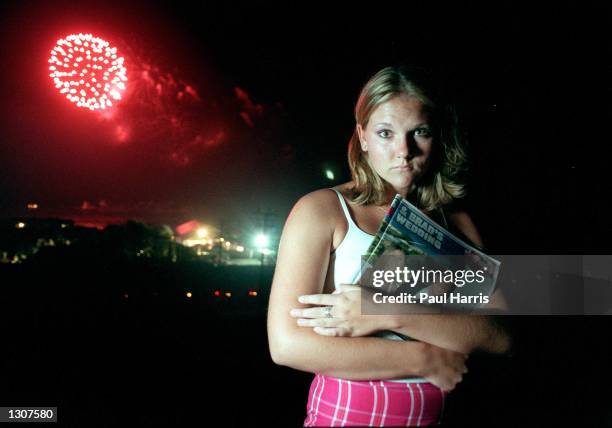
column 459, row 332
column 456, row 332
column 302, row 264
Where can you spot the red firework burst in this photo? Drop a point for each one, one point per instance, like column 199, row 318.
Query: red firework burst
column 88, row 71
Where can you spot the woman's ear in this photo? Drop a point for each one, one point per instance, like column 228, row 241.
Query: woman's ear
column 362, row 141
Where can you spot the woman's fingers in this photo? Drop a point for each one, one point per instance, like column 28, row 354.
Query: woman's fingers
column 318, row 312
column 445, row 368
column 318, row 322
column 349, row 287
column 318, row 299
column 331, row 331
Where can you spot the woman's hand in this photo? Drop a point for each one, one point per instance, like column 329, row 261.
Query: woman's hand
column 337, row 314
column 443, row 368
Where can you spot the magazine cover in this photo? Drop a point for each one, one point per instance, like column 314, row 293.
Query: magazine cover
column 410, row 240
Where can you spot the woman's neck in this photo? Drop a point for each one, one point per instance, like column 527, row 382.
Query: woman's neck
column 391, row 192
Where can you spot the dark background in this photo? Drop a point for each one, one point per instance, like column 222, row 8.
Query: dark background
column 531, row 88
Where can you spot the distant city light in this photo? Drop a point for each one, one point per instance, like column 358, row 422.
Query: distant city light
column 227, row 244
column 187, row 227
column 217, row 293
column 252, row 293
column 228, row 294
column 261, row 241
column 32, row 206
column 202, row 232
column 20, row 225
column 329, row 174
column 188, row 294
column 240, row 248
column 192, row 242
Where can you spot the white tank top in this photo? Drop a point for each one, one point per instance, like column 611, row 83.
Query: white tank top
column 346, row 265
column 346, row 258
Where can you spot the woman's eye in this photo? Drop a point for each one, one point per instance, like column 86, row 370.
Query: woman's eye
column 422, row 132
column 384, row 133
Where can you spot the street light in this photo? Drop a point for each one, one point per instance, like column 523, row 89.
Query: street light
column 261, row 241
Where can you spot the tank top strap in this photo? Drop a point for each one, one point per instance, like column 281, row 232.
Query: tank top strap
column 347, row 214
column 443, row 216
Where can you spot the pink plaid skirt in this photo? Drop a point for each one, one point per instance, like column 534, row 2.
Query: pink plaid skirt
column 340, row 402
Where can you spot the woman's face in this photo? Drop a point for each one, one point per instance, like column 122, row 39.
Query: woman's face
column 398, row 141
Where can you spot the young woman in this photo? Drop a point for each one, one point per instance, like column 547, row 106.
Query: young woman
column 405, row 141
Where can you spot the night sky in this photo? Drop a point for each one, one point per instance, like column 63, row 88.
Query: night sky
column 235, row 109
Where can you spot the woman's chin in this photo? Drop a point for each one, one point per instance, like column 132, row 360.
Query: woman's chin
column 402, row 186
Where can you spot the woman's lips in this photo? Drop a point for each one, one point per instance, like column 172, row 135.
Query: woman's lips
column 404, row 167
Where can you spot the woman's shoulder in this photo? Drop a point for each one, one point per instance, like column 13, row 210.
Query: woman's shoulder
column 316, row 214
column 462, row 221
column 326, row 198
column 346, row 189
column 321, row 205
column 318, row 200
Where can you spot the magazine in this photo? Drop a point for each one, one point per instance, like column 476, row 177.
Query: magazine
column 421, row 243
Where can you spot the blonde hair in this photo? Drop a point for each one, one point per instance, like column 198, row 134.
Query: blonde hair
column 443, row 182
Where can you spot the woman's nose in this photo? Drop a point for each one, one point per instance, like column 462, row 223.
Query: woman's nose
column 403, row 147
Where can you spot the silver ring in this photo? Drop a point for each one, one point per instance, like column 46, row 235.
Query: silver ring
column 327, row 311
